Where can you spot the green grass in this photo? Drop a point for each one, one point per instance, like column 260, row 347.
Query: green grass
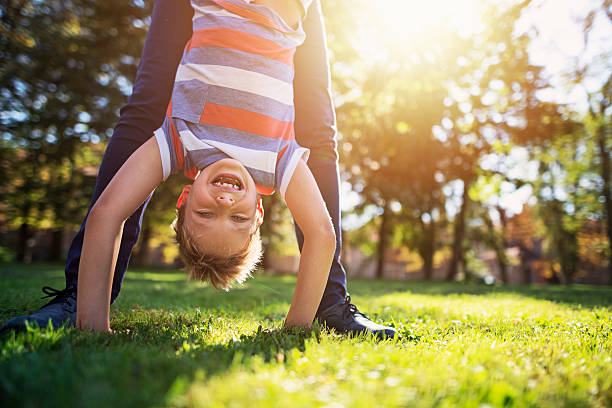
column 180, row 343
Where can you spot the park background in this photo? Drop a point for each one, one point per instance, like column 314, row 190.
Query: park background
column 474, row 136
column 474, row 140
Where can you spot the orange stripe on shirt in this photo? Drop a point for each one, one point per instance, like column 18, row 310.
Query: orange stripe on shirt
column 247, row 121
column 191, row 173
column 241, row 41
column 249, row 14
column 264, row 190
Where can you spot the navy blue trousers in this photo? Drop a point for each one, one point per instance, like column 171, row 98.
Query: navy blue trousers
column 145, row 111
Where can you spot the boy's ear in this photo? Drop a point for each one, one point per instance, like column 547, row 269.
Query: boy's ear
column 183, row 197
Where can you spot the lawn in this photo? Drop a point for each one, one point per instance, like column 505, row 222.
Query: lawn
column 180, row 343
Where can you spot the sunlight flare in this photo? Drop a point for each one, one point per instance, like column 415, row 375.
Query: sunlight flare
column 402, row 25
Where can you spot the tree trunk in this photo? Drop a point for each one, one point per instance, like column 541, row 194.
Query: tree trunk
column 268, row 230
column 503, row 265
column 266, row 262
column 525, row 256
column 382, row 242
column 458, row 236
column 502, row 257
column 24, row 244
column 566, row 248
column 55, row 249
column 604, row 155
column 564, row 272
column 427, row 249
column 23, row 253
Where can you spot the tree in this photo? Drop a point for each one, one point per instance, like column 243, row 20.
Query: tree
column 524, row 231
column 63, row 74
column 458, row 97
column 386, row 116
column 597, row 121
column 493, row 107
column 396, row 157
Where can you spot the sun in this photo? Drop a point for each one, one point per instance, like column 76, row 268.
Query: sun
column 389, row 24
column 418, row 16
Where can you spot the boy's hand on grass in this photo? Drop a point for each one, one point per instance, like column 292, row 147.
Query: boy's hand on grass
column 93, row 323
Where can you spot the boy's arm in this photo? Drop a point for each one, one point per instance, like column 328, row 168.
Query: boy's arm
column 309, row 212
column 130, row 187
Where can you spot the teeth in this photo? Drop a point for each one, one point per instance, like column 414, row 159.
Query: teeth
column 226, row 184
column 229, row 182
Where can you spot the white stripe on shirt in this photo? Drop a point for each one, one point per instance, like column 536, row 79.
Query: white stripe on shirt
column 163, row 151
column 239, row 79
column 256, row 159
column 301, row 153
column 213, row 9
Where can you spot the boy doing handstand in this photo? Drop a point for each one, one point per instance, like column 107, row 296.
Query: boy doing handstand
column 230, row 127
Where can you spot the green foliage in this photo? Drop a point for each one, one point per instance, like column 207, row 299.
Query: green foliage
column 278, row 228
column 6, row 255
column 178, row 343
column 65, row 70
column 568, row 196
column 427, row 112
column 419, row 107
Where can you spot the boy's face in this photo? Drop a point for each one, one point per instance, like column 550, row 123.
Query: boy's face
column 221, row 209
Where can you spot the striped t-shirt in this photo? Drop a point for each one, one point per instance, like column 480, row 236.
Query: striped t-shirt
column 233, row 95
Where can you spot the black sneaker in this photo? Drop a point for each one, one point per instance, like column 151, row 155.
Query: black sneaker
column 347, row 319
column 61, row 311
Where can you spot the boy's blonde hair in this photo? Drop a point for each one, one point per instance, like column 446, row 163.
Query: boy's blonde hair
column 220, row 271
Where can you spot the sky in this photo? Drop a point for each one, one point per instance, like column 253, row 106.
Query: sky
column 560, row 46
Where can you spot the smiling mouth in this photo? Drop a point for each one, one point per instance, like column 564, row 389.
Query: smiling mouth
column 228, row 181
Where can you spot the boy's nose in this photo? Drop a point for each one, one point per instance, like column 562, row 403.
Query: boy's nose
column 225, row 200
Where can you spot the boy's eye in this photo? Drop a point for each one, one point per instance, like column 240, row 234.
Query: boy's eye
column 239, row 218
column 205, row 214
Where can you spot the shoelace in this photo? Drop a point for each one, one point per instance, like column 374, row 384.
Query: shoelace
column 58, row 294
column 351, row 309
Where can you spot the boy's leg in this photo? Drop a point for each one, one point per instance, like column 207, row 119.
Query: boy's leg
column 169, row 31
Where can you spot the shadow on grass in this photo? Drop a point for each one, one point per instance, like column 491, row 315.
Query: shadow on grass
column 261, row 293
column 137, row 367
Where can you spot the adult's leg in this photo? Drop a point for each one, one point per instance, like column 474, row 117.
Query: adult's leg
column 169, row 31
column 315, row 128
